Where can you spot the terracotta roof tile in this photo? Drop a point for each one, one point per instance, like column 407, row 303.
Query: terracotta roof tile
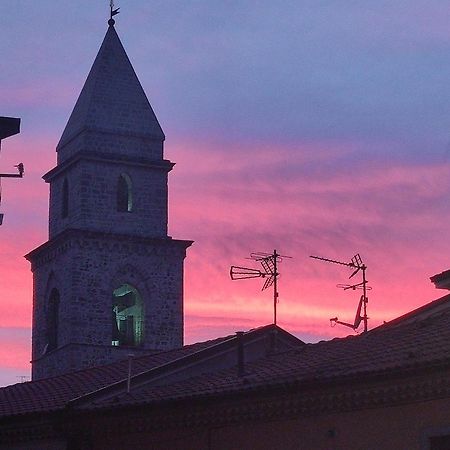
column 410, row 344
column 54, row 393
column 415, row 344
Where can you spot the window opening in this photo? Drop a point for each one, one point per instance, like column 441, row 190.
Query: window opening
column 127, row 317
column 65, row 199
column 52, row 320
column 124, row 194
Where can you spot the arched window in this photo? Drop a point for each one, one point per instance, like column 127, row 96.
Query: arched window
column 65, row 199
column 127, row 317
column 124, row 194
column 52, row 320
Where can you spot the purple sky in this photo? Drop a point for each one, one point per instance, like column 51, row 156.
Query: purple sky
column 313, row 127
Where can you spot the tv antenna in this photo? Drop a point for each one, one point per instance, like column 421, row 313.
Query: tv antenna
column 269, row 263
column 357, row 264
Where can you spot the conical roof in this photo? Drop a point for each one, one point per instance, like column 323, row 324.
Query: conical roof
column 112, row 99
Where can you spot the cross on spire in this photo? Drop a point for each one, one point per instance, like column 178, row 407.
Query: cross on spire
column 113, row 12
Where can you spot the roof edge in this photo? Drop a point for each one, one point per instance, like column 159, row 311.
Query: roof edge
column 425, row 310
column 183, row 363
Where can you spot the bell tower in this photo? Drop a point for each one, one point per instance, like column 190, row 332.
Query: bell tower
column 109, row 280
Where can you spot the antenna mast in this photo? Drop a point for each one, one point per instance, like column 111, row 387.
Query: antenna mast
column 269, row 262
column 357, row 264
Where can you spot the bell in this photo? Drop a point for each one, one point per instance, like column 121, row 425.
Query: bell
column 125, row 301
column 115, row 328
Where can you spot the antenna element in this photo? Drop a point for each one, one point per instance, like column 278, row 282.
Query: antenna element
column 269, row 263
column 357, row 264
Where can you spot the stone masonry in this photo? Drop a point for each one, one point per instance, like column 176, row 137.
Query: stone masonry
column 95, row 249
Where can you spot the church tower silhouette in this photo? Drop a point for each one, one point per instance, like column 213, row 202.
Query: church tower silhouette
column 109, row 280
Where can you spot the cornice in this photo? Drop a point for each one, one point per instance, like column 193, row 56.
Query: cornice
column 106, row 241
column 124, row 350
column 108, row 158
column 97, row 130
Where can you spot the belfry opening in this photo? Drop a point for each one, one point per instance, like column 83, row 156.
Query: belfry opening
column 127, row 317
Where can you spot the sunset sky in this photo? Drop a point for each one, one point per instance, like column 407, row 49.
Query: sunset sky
column 313, row 127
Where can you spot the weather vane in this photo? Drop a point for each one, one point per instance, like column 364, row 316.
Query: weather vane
column 357, row 264
column 269, row 262
column 111, row 21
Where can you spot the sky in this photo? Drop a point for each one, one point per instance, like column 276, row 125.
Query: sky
column 314, row 127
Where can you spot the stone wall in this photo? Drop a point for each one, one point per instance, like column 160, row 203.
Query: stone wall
column 86, row 268
column 93, row 198
column 106, row 142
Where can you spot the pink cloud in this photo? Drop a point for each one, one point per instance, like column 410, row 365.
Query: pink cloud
column 15, row 348
column 391, row 214
column 388, row 213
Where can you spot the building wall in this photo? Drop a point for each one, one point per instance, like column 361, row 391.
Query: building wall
column 86, row 269
column 389, row 428
column 44, row 444
column 395, row 411
column 397, row 427
column 93, row 199
column 404, row 427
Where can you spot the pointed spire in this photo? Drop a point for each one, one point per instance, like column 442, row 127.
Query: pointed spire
column 112, row 100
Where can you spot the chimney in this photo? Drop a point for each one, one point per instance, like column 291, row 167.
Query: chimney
column 240, row 354
column 441, row 280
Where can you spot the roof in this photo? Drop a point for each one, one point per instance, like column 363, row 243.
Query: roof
column 416, row 341
column 441, row 280
column 440, row 276
column 112, row 99
column 431, row 308
column 55, row 393
column 413, row 345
